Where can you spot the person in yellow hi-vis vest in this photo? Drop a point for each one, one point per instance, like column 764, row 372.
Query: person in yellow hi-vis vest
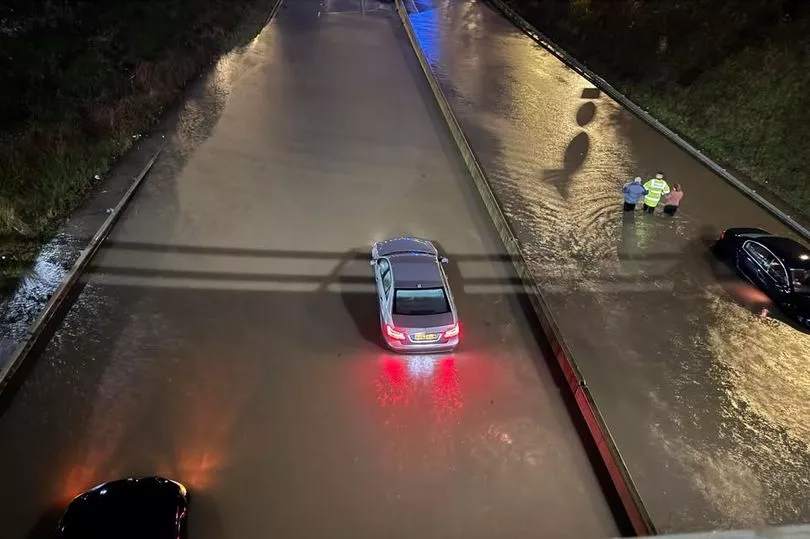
column 656, row 188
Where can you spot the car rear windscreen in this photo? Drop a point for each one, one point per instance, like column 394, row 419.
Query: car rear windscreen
column 420, row 301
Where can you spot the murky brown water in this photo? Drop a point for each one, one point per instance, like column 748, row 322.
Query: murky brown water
column 707, row 402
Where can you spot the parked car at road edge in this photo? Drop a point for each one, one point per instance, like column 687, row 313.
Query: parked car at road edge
column 778, row 266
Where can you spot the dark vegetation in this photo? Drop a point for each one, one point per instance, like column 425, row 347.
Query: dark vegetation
column 732, row 76
column 79, row 80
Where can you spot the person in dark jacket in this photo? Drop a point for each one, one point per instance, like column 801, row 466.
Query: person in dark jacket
column 633, row 193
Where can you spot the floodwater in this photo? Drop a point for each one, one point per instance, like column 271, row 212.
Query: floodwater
column 227, row 336
column 707, row 402
column 20, row 307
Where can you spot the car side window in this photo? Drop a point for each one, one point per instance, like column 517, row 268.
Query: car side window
column 772, row 266
column 759, row 253
column 777, row 272
column 387, row 282
column 385, row 275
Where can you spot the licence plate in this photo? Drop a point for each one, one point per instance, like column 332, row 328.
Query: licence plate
column 425, row 336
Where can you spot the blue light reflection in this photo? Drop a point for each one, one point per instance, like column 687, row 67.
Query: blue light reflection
column 426, row 27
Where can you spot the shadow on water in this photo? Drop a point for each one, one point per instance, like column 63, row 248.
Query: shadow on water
column 586, row 113
column 364, row 312
column 576, row 152
column 363, row 307
column 573, row 158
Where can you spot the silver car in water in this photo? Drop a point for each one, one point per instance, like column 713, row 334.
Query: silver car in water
column 417, row 312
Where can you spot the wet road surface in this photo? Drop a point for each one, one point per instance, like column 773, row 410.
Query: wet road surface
column 227, row 337
column 707, row 402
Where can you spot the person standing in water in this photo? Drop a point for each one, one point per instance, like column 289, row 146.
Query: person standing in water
column 673, row 200
column 633, row 191
column 656, row 188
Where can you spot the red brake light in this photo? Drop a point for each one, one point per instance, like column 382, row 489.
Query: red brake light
column 722, row 234
column 452, row 332
column 394, row 333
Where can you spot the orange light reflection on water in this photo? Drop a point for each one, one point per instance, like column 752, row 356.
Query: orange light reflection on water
column 203, row 424
column 185, row 435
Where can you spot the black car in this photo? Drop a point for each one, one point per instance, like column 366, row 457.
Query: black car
column 150, row 507
column 779, row 266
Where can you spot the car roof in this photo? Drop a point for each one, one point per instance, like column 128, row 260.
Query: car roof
column 790, row 251
column 405, row 245
column 416, row 271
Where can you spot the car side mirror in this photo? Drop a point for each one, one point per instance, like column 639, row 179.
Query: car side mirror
column 372, row 262
column 444, row 260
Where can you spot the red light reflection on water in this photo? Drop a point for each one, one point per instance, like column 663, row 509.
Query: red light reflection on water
column 421, row 400
column 393, row 383
column 402, row 379
column 447, row 395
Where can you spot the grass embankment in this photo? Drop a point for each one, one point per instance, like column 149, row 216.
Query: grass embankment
column 78, row 79
column 732, row 76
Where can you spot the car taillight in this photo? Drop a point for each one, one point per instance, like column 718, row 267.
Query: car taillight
column 723, row 235
column 394, row 333
column 452, row 332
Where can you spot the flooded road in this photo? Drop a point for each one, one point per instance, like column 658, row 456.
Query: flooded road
column 706, row 401
column 227, row 336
